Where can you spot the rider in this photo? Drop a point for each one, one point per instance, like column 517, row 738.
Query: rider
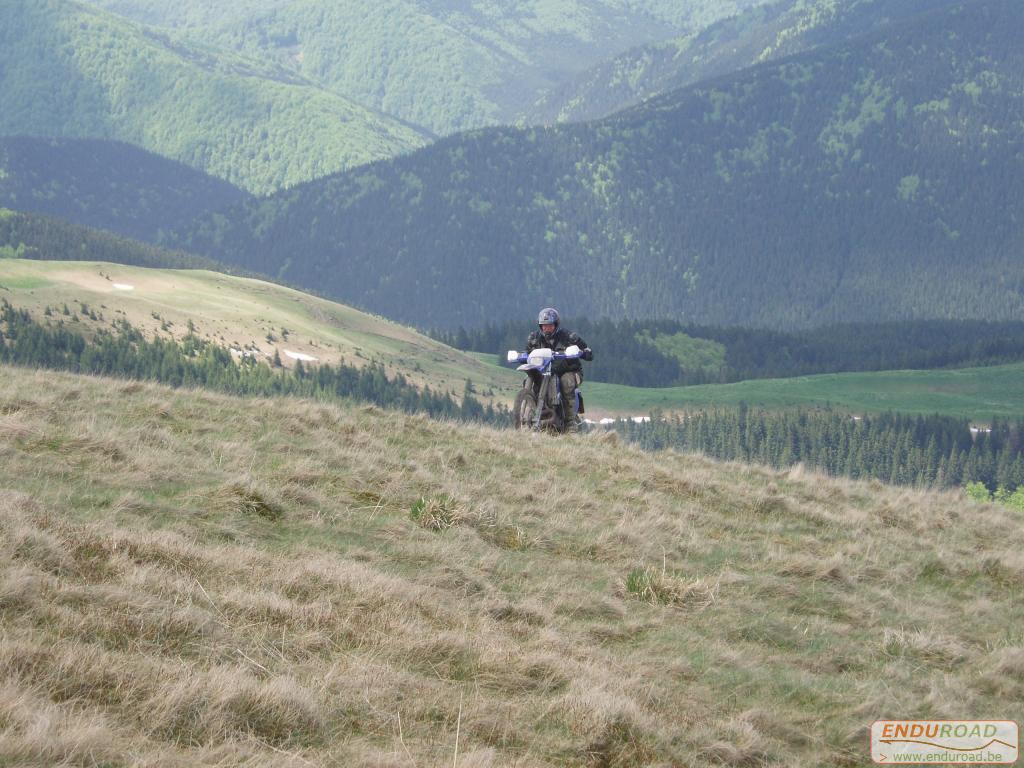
column 569, row 372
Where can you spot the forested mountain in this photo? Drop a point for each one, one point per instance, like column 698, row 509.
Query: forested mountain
column 875, row 180
column 67, row 70
column 446, row 65
column 34, row 236
column 762, row 33
column 107, row 184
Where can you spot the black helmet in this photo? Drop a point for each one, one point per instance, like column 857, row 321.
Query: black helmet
column 548, row 316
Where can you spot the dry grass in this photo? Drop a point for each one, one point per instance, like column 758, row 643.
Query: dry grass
column 188, row 579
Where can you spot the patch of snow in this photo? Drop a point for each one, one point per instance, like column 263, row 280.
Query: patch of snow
column 300, row 356
column 246, row 352
column 608, row 422
column 123, row 287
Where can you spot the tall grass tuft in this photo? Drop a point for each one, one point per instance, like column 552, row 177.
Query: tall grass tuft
column 658, row 587
column 247, row 498
column 437, row 513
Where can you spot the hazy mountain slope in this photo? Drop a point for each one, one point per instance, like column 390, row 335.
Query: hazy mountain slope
column 109, row 185
column 191, row 579
column 692, row 14
column 762, row 33
column 872, row 181
column 441, row 64
column 71, row 71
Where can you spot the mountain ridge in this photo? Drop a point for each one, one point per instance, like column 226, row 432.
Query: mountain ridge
column 775, row 197
column 761, row 33
column 446, row 66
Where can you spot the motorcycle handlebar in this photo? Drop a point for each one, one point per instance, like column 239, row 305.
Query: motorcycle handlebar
column 522, row 357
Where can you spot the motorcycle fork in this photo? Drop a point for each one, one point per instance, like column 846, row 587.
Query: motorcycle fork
column 542, row 394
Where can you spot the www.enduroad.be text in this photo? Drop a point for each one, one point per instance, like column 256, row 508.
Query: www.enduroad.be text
column 949, row 757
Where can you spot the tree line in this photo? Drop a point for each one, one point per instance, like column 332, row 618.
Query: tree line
column 627, row 351
column 46, row 238
column 923, row 451
column 123, row 351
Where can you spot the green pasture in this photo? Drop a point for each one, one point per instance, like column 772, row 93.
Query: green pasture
column 973, row 393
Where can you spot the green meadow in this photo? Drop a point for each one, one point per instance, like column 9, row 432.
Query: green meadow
column 972, row 393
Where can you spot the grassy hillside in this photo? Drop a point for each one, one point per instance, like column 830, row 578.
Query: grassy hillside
column 107, row 184
column 193, row 579
column 245, row 314
column 441, row 64
column 75, row 71
column 873, row 181
column 762, row 33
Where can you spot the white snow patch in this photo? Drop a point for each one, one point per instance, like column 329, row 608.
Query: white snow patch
column 123, row 287
column 300, row 356
column 245, row 352
column 608, row 422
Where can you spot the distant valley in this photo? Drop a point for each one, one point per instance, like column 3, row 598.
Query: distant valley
column 867, row 176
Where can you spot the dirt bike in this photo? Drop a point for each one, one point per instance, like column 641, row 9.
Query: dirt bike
column 541, row 385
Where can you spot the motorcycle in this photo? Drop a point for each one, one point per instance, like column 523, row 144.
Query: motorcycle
column 541, row 386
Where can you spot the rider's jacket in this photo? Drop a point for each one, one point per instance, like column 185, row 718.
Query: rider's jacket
column 560, row 341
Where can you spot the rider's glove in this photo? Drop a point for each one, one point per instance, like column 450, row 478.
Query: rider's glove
column 588, row 354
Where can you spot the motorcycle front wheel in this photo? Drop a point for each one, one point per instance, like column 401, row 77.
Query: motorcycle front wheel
column 524, row 411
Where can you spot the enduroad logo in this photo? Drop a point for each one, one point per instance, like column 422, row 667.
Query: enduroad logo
column 963, row 742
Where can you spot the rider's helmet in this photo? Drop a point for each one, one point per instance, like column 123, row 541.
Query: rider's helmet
column 548, row 316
